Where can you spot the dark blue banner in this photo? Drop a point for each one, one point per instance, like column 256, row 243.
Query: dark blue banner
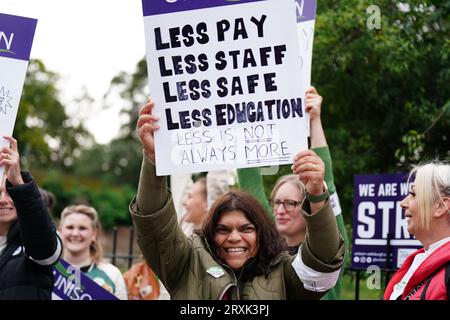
column 380, row 235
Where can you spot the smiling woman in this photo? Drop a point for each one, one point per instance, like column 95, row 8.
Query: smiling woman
column 425, row 274
column 80, row 228
column 239, row 254
column 240, row 233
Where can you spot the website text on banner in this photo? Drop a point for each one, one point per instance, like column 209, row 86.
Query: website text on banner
column 380, row 235
column 225, row 78
column 16, row 39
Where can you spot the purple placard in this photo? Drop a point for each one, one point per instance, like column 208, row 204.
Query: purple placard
column 306, row 10
column 72, row 284
column 154, row 7
column 379, row 220
column 16, row 36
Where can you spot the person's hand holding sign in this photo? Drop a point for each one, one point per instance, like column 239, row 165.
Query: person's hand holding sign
column 311, row 171
column 9, row 158
column 146, row 126
column 313, row 103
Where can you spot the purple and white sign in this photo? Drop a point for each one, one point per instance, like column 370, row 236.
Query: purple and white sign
column 306, row 10
column 72, row 284
column 306, row 20
column 16, row 36
column 225, row 78
column 379, row 220
column 16, row 39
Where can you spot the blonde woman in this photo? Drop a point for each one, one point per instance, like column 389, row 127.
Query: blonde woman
column 425, row 273
column 80, row 228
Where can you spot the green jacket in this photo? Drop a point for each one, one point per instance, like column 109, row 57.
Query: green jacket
column 187, row 268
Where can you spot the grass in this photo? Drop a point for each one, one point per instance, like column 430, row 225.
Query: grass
column 365, row 293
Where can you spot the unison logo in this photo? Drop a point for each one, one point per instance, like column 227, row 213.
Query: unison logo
column 6, row 42
column 299, row 6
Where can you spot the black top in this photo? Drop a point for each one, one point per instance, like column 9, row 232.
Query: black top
column 33, row 246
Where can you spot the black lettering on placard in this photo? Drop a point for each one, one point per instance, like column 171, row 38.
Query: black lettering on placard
column 249, row 57
column 167, row 95
column 234, row 64
column 252, row 83
column 270, row 82
column 193, row 90
column 227, row 114
column 279, row 53
column 260, row 25
column 186, row 119
column 240, row 29
column 202, row 37
column 247, row 85
column 158, row 40
column 222, row 27
column 181, row 64
column 179, row 36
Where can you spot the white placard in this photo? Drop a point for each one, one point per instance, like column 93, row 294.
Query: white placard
column 230, row 99
column 16, row 38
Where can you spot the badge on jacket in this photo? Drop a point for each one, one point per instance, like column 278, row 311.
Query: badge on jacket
column 216, row 271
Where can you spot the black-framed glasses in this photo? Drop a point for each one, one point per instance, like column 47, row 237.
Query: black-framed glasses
column 289, row 205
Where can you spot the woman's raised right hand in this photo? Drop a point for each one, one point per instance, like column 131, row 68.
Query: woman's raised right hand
column 146, row 126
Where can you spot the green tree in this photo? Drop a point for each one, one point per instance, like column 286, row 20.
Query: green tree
column 117, row 162
column 386, row 90
column 122, row 156
column 45, row 133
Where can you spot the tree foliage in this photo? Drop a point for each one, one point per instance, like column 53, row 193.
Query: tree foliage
column 386, row 92
column 110, row 201
column 45, row 134
column 62, row 154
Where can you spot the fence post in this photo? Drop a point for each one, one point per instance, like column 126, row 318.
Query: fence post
column 357, row 285
column 114, row 249
column 130, row 248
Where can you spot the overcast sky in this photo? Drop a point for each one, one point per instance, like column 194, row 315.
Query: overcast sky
column 87, row 42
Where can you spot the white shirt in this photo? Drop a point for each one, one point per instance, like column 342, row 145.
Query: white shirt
column 2, row 244
column 418, row 259
column 116, row 276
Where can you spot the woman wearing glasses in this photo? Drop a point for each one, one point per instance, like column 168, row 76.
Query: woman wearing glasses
column 286, row 199
column 289, row 192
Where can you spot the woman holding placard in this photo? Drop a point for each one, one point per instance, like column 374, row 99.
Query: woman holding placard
column 288, row 192
column 29, row 246
column 239, row 254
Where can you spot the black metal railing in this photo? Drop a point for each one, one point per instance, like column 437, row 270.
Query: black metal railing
column 114, row 256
